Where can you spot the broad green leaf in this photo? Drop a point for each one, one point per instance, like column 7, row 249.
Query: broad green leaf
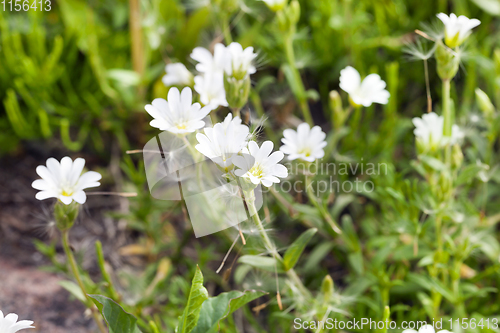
column 217, row 308
column 117, row 319
column 266, row 263
column 197, row 296
column 295, row 250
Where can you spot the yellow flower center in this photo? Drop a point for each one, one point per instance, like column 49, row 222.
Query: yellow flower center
column 306, row 151
column 257, row 171
column 181, row 126
column 67, row 194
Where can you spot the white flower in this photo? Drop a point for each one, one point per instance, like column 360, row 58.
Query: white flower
column 239, row 61
column 64, row 180
column 276, row 5
column 211, row 89
column 457, row 29
column 9, row 323
column 259, row 165
column 208, row 63
column 370, row 90
column 305, row 143
column 429, row 132
column 177, row 74
column 425, row 329
column 223, row 141
column 177, row 114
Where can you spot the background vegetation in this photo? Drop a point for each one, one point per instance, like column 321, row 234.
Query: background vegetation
column 78, row 77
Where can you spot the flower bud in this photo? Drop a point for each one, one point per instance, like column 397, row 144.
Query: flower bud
column 237, row 91
column 447, row 61
column 339, row 116
column 288, row 17
column 484, row 103
column 294, row 12
column 327, row 288
column 65, row 215
column 457, row 157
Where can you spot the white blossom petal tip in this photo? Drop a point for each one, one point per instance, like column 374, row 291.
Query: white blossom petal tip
column 9, row 323
column 178, row 114
column 223, row 141
column 363, row 92
column 305, row 143
column 64, row 180
column 457, row 29
column 260, row 165
column 429, row 132
column 177, row 75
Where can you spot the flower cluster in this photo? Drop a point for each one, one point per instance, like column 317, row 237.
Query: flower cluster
column 221, row 75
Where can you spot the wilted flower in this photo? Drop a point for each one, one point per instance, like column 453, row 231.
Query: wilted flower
column 177, row 74
column 239, row 61
column 177, row 114
column 429, row 132
column 9, row 323
column 276, row 5
column 370, row 90
column 211, row 89
column 457, row 29
column 425, row 329
column 223, row 141
column 208, row 63
column 259, row 165
column 64, row 180
column 305, row 143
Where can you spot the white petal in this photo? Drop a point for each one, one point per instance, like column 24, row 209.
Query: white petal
column 80, row 197
column 45, row 195
column 350, row 79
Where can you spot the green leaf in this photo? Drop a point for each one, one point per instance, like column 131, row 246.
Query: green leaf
column 197, row 296
column 73, row 289
column 117, row 319
column 266, row 263
column 217, row 308
column 295, row 250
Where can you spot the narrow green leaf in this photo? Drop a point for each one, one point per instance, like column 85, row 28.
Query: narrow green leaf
column 265, row 263
column 295, row 250
column 217, row 308
column 197, row 296
column 73, row 289
column 117, row 319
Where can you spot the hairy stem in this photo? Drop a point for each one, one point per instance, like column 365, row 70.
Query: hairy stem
column 76, row 274
column 292, row 275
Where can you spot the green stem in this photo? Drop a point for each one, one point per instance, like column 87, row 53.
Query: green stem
column 226, row 31
column 447, row 117
column 301, row 93
column 76, row 273
column 324, row 212
column 292, row 275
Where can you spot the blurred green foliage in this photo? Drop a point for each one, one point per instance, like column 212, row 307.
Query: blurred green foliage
column 68, row 75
